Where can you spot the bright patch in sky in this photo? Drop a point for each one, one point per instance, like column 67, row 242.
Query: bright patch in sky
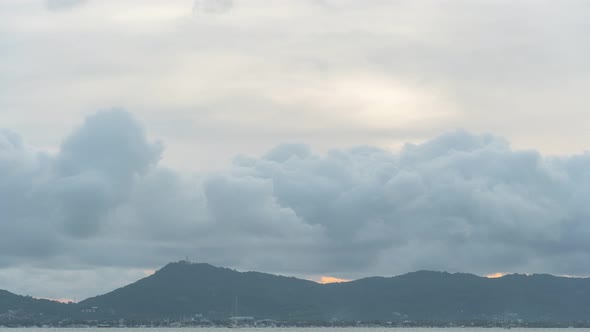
column 331, row 280
column 61, row 300
column 149, row 272
column 496, row 275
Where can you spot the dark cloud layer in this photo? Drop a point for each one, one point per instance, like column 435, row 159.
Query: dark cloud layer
column 460, row 202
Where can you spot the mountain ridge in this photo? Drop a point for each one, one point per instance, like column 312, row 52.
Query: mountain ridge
column 183, row 289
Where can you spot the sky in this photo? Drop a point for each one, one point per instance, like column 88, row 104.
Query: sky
column 323, row 139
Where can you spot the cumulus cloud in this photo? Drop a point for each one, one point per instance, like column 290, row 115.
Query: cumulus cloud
column 96, row 170
column 459, row 202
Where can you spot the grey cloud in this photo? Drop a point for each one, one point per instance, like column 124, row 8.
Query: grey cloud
column 459, row 195
column 51, row 283
column 56, row 5
column 97, row 167
column 46, row 195
column 81, row 202
column 284, row 152
column 460, row 202
column 110, row 142
column 22, row 222
column 213, row 6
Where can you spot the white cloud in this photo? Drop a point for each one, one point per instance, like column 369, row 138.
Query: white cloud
column 328, row 73
column 212, row 6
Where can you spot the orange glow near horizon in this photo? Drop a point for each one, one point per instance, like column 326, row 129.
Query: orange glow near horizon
column 331, row 280
column 496, row 275
column 148, row 272
column 61, row 300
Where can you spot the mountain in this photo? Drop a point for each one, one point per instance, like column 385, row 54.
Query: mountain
column 440, row 296
column 16, row 308
column 180, row 290
column 183, row 289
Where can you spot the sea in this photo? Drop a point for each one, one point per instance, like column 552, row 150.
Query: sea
column 296, row 329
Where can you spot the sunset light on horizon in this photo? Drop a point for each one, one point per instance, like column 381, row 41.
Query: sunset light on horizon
column 496, row 275
column 330, row 280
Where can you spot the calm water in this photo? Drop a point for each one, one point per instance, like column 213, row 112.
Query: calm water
column 328, row 329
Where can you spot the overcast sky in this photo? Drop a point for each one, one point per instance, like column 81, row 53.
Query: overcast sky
column 340, row 138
